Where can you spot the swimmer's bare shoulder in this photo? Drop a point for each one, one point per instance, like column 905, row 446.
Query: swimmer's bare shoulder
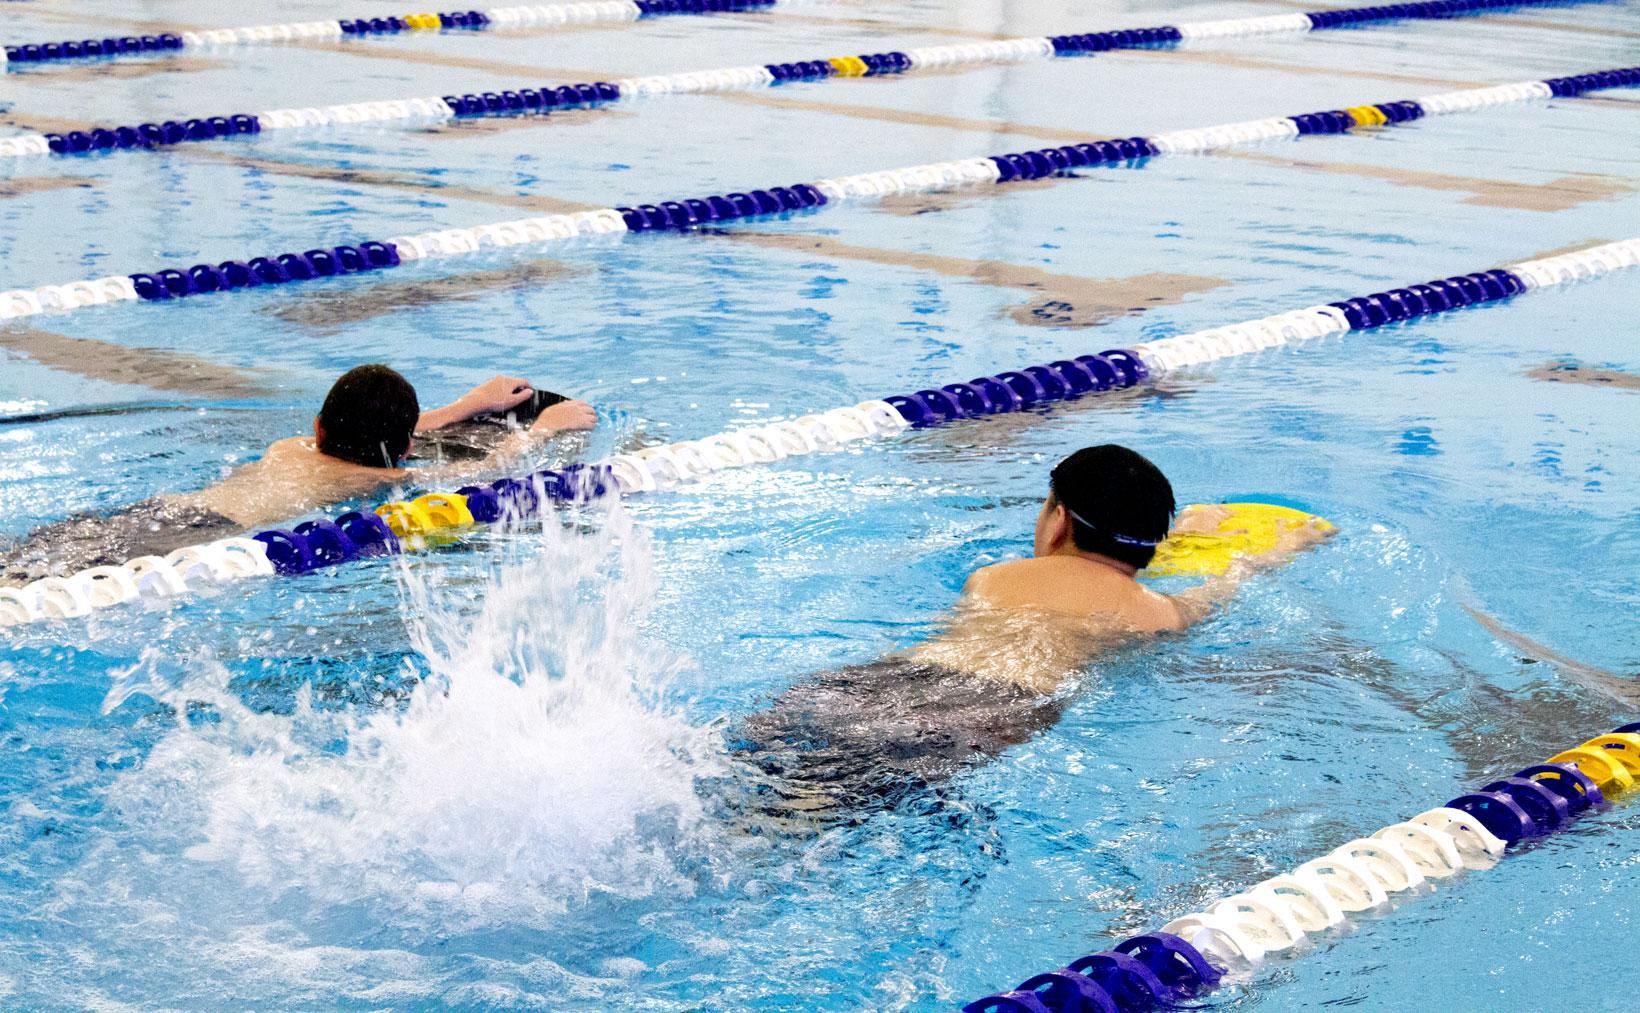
column 296, row 460
column 1075, row 587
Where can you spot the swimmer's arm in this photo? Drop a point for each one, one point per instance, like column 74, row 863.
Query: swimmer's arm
column 562, row 417
column 1197, row 603
column 494, row 395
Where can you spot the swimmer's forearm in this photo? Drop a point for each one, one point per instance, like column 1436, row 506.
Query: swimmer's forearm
column 494, row 395
column 1198, row 602
column 438, row 418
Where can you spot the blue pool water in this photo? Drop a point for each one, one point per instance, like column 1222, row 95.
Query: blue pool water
column 495, row 777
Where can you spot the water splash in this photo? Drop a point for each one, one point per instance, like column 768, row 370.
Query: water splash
column 532, row 767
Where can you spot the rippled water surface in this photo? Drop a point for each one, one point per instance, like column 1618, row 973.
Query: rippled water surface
column 496, row 776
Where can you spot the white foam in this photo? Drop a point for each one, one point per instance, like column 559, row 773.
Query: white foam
column 533, row 767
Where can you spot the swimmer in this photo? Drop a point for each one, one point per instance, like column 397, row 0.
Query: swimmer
column 878, row 732
column 361, row 438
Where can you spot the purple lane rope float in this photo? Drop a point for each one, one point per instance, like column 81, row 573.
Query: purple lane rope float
column 1188, row 957
column 677, row 215
column 440, row 516
column 537, row 101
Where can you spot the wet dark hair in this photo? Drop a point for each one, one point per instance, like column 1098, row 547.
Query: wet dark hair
column 369, row 416
column 1121, row 504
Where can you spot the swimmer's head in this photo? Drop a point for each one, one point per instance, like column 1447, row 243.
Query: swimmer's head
column 368, row 417
column 1108, row 500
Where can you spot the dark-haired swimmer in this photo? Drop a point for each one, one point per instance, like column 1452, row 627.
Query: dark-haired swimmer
column 872, row 734
column 362, row 435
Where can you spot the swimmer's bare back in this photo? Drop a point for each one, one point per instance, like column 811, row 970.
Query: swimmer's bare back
column 1076, row 587
column 1032, row 622
column 291, row 479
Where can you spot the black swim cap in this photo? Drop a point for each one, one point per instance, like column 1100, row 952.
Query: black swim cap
column 1121, row 505
column 369, row 416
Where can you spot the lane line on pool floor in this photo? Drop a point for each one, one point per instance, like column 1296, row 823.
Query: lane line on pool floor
column 437, row 517
column 496, row 68
column 536, row 101
column 1187, row 958
column 680, row 215
column 155, row 368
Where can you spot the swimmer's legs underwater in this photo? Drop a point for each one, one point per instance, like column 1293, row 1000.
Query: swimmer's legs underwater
column 872, row 736
column 152, row 527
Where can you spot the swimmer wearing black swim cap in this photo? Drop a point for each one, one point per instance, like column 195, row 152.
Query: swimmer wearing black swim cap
column 365, row 430
column 871, row 734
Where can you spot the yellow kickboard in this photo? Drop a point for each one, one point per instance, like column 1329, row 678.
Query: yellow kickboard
column 1208, row 537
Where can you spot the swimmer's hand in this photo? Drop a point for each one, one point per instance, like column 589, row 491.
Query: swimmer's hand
column 1298, row 537
column 494, row 395
column 1201, row 519
column 563, row 416
column 1292, row 538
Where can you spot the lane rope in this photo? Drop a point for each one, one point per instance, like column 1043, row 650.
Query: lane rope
column 1188, row 957
column 536, row 101
column 679, row 215
column 441, row 517
column 549, row 15
column 615, row 11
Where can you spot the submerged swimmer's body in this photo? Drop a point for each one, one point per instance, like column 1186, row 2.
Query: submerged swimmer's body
column 990, row 679
column 362, row 435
